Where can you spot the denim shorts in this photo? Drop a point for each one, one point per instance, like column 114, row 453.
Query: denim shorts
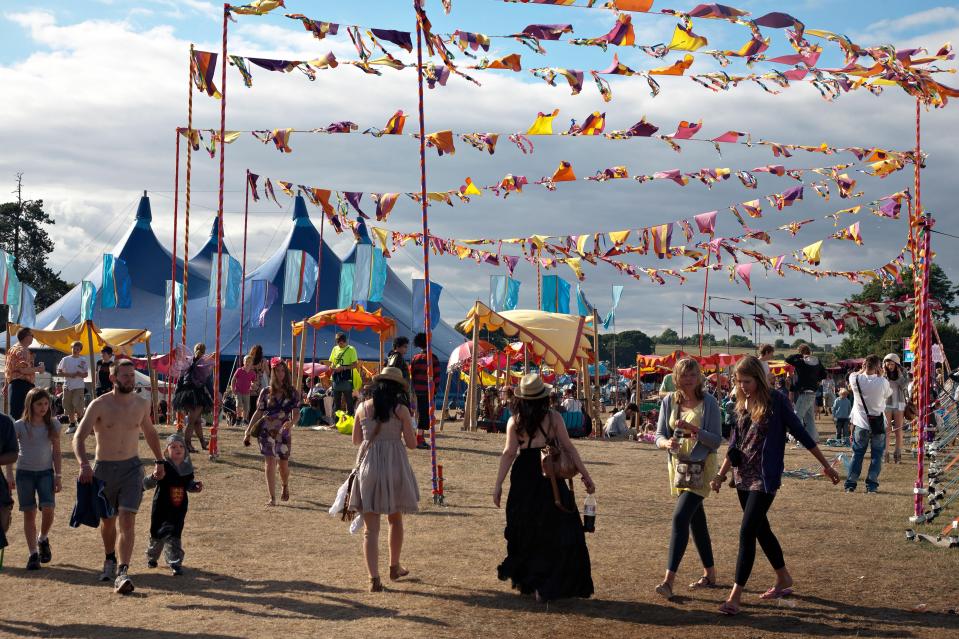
column 33, row 486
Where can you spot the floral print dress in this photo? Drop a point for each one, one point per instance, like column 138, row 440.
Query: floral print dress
column 274, row 440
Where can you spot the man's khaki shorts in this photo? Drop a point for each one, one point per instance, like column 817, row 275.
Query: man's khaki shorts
column 74, row 401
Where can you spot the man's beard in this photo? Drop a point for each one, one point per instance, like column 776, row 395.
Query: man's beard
column 123, row 390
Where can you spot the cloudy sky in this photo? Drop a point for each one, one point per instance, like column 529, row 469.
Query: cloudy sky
column 93, row 91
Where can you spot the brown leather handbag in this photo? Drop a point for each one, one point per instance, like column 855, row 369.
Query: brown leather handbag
column 557, row 464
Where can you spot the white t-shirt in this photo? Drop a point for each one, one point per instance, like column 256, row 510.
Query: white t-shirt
column 572, row 405
column 875, row 390
column 616, row 425
column 71, row 364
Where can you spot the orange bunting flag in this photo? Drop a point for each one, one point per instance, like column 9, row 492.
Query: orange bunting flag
column 395, row 124
column 677, row 68
column 594, row 124
column 442, row 141
column 564, row 173
column 510, row 62
column 640, row 6
column 543, row 124
column 203, row 70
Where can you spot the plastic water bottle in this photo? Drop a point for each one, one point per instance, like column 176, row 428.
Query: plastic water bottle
column 589, row 514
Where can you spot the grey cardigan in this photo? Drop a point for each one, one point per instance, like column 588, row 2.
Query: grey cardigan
column 710, row 433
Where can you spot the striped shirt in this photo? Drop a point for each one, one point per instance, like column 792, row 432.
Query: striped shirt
column 419, row 371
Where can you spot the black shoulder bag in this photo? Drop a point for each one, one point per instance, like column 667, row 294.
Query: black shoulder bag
column 877, row 423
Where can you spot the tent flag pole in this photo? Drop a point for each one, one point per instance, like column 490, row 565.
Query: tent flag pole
column 299, row 383
column 6, row 395
column 246, row 215
column 922, row 257
column 427, row 323
column 702, row 320
column 599, row 406
column 93, row 367
column 173, row 314
column 214, row 430
column 446, row 397
column 470, row 421
column 186, row 213
column 154, row 395
column 319, row 278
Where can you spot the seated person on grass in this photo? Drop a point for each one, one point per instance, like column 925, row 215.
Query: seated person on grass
column 618, row 425
column 312, row 414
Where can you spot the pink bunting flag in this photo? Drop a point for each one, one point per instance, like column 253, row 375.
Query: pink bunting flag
column 686, row 130
column 706, row 222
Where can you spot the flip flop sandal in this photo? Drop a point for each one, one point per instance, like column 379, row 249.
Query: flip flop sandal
column 665, row 591
column 728, row 609
column 776, row 593
column 702, row 582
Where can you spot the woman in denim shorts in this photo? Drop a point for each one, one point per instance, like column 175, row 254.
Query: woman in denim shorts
column 38, row 472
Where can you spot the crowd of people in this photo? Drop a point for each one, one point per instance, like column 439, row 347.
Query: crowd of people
column 546, row 551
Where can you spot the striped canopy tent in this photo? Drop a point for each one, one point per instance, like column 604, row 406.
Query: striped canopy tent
column 562, row 341
column 93, row 340
column 714, row 362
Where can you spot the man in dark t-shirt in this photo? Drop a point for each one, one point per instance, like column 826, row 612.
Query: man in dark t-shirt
column 9, row 450
column 104, row 385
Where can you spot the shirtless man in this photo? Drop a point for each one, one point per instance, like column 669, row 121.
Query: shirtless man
column 116, row 419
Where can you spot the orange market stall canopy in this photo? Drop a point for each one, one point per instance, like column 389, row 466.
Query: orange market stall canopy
column 93, row 339
column 715, row 362
column 352, row 318
column 562, row 341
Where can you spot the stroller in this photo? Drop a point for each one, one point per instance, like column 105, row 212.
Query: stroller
column 228, row 408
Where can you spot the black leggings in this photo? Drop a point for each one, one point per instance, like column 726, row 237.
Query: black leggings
column 755, row 527
column 689, row 514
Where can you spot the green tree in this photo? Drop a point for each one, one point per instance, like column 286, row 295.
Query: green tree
column 741, row 341
column 872, row 338
column 628, row 345
column 781, row 343
column 22, row 234
column 669, row 336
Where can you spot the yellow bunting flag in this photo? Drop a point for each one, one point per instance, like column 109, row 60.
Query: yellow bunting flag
column 543, row 124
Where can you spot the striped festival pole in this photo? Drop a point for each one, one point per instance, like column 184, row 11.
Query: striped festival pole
column 437, row 496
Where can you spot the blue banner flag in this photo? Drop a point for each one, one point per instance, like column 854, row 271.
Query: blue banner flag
column 585, row 308
column 229, row 286
column 88, row 300
column 419, row 296
column 262, row 296
column 115, row 291
column 611, row 316
column 299, row 277
column 176, row 305
column 555, row 294
column 512, row 294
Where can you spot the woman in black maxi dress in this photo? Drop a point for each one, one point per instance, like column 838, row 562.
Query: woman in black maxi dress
column 546, row 551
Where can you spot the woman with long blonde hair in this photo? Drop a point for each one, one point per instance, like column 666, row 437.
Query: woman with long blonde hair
column 690, row 429
column 38, row 472
column 756, row 451
column 278, row 408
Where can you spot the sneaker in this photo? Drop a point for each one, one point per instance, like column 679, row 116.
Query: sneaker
column 423, row 446
column 109, row 570
column 72, row 429
column 45, row 553
column 33, row 563
column 872, row 491
column 849, row 489
column 177, row 570
column 123, row 584
column 151, row 563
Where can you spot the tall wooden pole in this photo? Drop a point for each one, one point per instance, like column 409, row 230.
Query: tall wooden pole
column 471, row 397
column 173, row 282
column 596, row 351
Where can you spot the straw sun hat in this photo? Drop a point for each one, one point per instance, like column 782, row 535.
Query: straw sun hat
column 391, row 374
column 532, row 386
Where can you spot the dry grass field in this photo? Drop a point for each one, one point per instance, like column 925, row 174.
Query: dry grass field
column 293, row 571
